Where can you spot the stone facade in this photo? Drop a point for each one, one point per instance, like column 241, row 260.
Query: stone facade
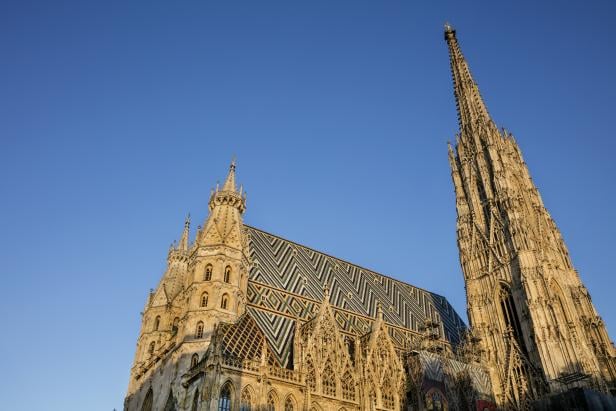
column 537, row 327
column 245, row 320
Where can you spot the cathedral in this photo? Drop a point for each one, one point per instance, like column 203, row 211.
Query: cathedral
column 245, row 320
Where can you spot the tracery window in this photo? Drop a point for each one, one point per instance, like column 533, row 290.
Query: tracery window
column 194, row 360
column 151, row 348
column 311, row 380
column 207, row 274
column 246, row 400
column 224, row 400
column 510, row 315
column 387, row 394
column 199, row 330
column 348, row 387
column 156, row 323
column 329, row 381
column 204, row 297
column 227, row 277
column 224, row 301
column 272, row 399
column 289, row 404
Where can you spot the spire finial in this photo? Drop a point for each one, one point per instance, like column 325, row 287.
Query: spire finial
column 233, row 160
column 230, row 181
column 450, row 32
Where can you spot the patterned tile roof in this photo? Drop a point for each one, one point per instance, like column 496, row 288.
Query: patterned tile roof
column 287, row 281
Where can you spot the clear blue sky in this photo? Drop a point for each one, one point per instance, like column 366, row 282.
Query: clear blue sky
column 116, row 119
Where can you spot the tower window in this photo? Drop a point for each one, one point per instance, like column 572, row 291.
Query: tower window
column 227, row 274
column 156, row 323
column 175, row 325
column 204, row 300
column 199, row 330
column 151, row 348
column 207, row 275
column 510, row 315
column 224, row 301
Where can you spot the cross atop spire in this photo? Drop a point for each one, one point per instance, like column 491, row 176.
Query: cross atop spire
column 470, row 105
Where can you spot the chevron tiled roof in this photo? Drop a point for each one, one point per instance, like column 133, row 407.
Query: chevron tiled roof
column 286, row 284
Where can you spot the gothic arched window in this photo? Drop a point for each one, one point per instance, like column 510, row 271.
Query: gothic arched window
column 147, row 402
column 510, row 315
column 387, row 395
column 194, row 360
column 289, row 404
column 156, row 323
column 224, row 301
column 175, row 324
column 224, row 400
column 272, row 399
column 204, row 300
column 246, row 400
column 348, row 387
column 199, row 330
column 329, row 381
column 151, row 348
column 227, row 274
column 207, row 274
column 311, row 380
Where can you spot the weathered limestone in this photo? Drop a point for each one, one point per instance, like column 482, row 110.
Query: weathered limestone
column 539, row 331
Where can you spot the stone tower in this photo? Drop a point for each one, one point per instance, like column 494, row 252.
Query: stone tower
column 539, row 332
column 204, row 284
column 163, row 309
column 218, row 271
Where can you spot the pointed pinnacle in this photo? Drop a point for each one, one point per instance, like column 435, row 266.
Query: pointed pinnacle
column 230, row 181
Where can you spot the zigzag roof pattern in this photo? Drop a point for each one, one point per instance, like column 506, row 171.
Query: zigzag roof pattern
column 287, row 281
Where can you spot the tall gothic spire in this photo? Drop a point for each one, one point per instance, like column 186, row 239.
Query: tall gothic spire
column 525, row 301
column 470, row 105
